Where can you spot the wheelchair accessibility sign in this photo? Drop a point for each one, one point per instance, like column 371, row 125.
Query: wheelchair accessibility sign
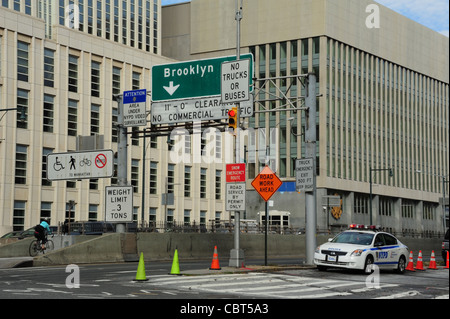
column 80, row 165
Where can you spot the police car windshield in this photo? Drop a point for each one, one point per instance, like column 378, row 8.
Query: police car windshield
column 356, row 238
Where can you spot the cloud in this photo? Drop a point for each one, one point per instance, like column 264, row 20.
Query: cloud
column 433, row 14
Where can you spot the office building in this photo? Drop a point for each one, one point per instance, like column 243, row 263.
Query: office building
column 383, row 103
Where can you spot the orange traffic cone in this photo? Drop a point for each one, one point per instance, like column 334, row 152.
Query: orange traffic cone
column 446, row 267
column 410, row 266
column 432, row 261
column 215, row 260
column 419, row 265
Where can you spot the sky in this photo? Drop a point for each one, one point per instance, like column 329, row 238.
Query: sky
column 433, row 14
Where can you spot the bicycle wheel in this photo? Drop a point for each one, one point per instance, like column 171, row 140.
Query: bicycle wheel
column 33, row 250
column 49, row 245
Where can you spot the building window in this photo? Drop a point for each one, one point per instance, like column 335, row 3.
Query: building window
column 136, row 85
column 46, row 211
column 28, row 7
column 49, row 103
column 147, row 26
column 21, row 164
column 19, row 215
column 95, row 119
column 170, row 178
column 45, row 181
column 81, row 10
column 428, row 211
column 90, row 16
column 187, row 217
column 99, row 18
column 187, row 181
column 22, row 61
column 73, row 73
column 61, row 12
column 17, row 5
column 169, row 217
column 124, row 22
column 155, row 27
column 114, row 131
column 361, row 204
column 95, row 79
column 408, row 209
column 132, row 23
column 93, row 210
column 72, row 118
column 218, row 184
column 152, row 217
column 135, row 175
column 116, row 20
column 22, row 105
column 153, row 177
column 49, row 67
column 203, row 182
column 203, row 218
column 70, row 212
column 5, row 3
column 116, row 81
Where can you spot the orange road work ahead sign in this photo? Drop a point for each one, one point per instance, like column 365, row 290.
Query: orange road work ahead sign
column 266, row 183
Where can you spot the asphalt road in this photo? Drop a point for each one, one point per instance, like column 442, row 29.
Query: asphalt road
column 115, row 281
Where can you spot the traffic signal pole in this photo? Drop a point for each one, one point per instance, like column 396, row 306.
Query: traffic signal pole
column 237, row 254
column 311, row 148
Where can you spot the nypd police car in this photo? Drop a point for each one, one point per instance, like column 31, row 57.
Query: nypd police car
column 361, row 247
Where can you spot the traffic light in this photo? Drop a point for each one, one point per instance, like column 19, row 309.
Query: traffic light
column 232, row 118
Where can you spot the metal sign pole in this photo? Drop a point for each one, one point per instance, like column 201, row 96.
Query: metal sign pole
column 236, row 254
column 122, row 154
column 310, row 141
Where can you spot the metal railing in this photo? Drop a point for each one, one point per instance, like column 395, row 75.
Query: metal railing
column 97, row 228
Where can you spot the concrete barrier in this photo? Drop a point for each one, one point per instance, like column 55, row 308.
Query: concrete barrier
column 161, row 246
column 102, row 249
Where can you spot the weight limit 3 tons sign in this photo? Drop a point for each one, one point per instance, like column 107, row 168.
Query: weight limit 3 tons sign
column 119, row 204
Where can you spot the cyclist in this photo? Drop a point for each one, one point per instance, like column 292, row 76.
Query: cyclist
column 40, row 232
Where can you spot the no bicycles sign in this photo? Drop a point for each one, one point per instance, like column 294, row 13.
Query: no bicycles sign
column 80, row 165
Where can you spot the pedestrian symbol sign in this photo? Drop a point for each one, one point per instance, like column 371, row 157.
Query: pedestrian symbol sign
column 266, row 183
column 80, row 165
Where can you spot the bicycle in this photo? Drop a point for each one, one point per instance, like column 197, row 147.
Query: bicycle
column 36, row 247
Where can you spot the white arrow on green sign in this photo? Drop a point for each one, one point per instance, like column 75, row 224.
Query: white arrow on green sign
column 191, row 79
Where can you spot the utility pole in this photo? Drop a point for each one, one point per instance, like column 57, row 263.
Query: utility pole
column 237, row 254
column 311, row 147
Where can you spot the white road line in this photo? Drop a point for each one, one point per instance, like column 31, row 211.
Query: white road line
column 401, row 295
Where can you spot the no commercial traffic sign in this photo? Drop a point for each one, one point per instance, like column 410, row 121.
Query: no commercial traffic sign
column 266, row 183
column 191, row 91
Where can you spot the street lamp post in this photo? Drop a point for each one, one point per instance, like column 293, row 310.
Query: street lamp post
column 391, row 174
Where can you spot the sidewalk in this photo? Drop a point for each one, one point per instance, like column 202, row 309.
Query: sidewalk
column 16, row 262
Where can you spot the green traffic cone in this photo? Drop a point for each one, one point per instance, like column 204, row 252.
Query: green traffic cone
column 175, row 265
column 140, row 275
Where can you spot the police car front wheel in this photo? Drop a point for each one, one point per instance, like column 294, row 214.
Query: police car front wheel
column 368, row 265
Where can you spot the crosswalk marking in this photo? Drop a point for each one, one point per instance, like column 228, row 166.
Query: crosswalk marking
column 263, row 285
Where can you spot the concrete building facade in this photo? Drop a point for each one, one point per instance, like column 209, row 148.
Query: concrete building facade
column 62, row 84
column 383, row 102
